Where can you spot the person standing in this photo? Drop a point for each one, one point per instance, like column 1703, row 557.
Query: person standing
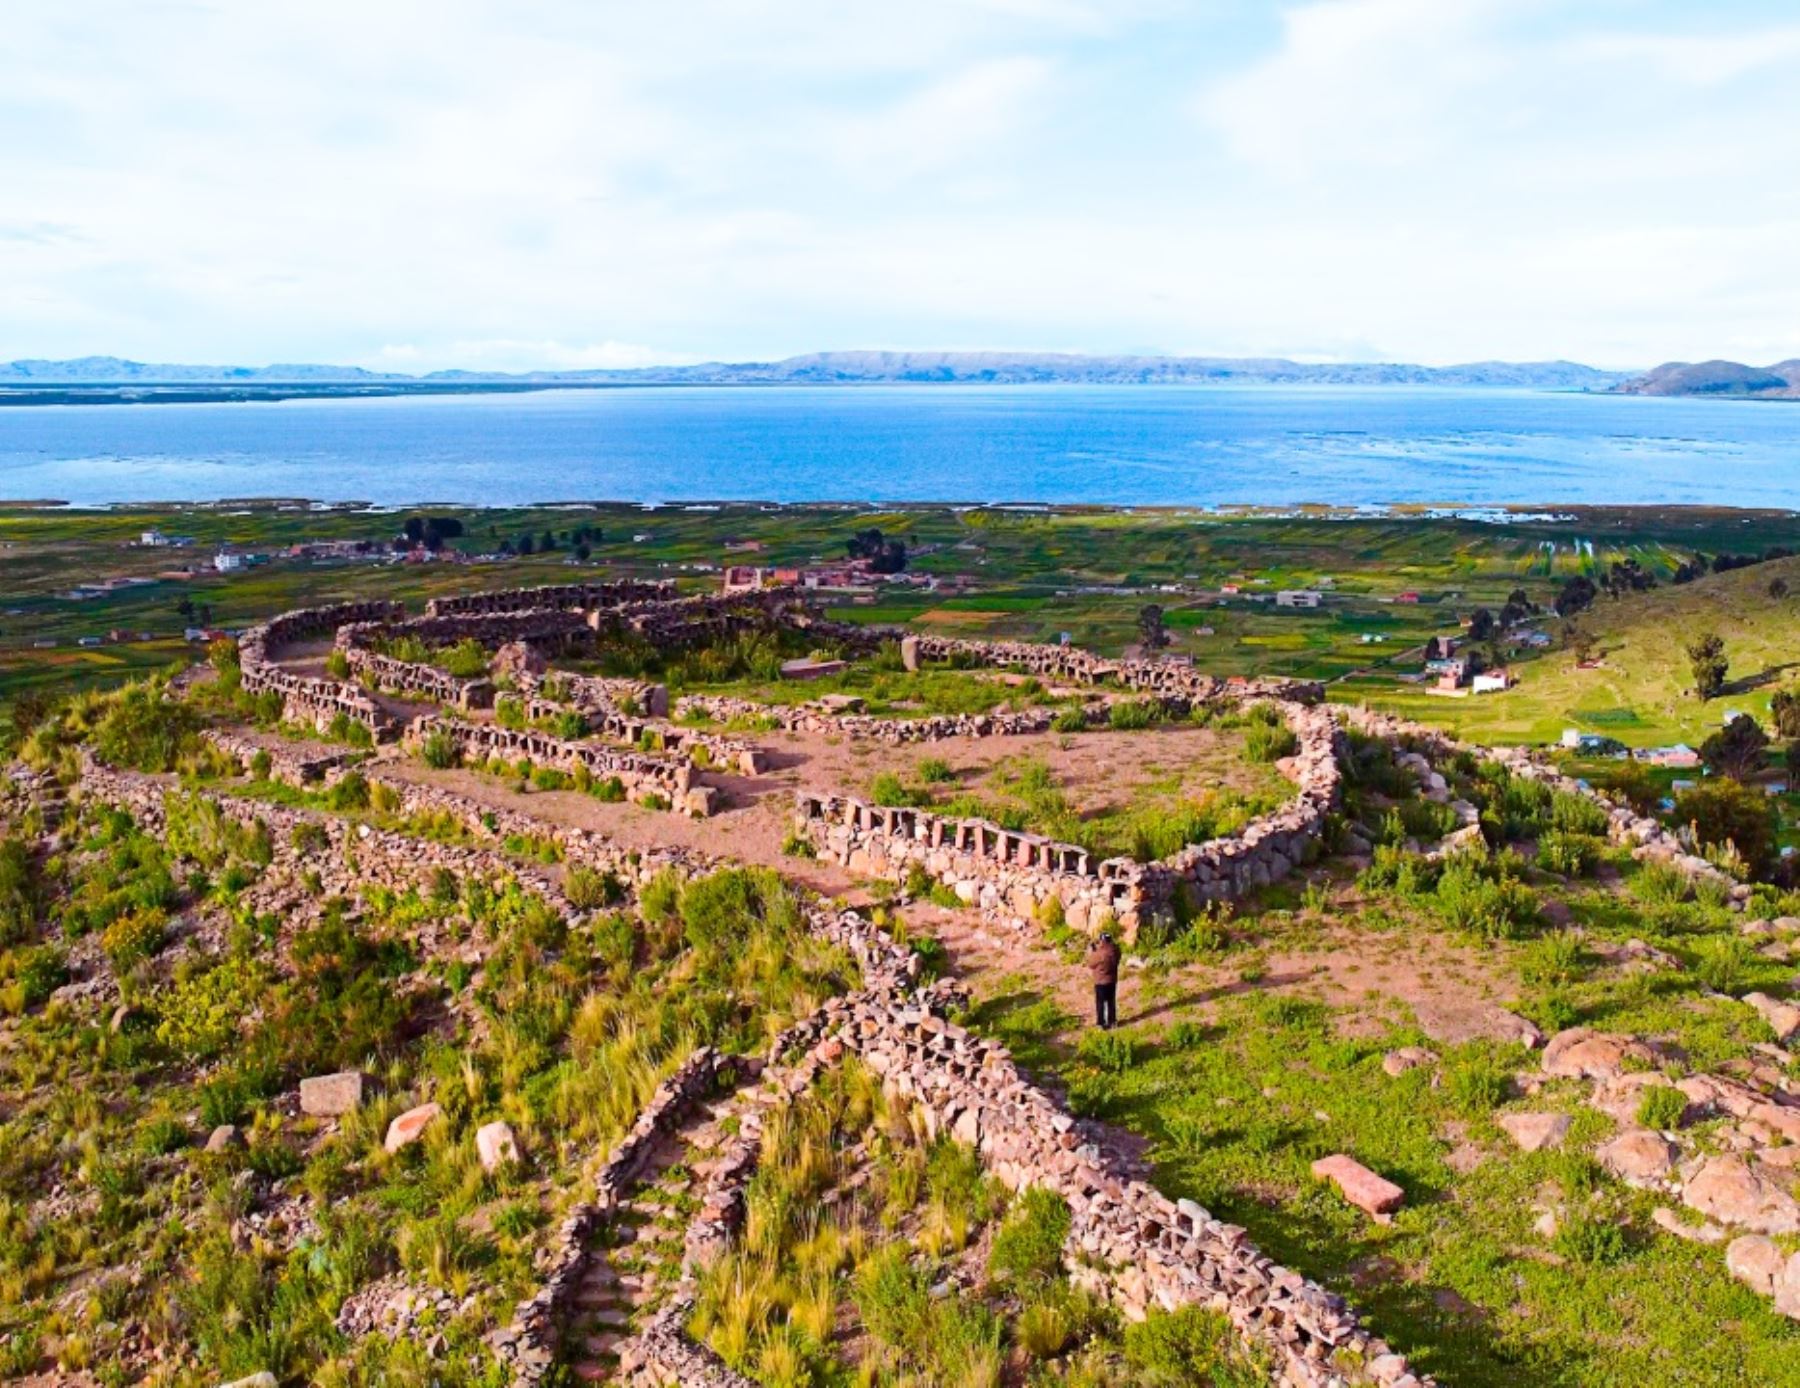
column 1103, row 964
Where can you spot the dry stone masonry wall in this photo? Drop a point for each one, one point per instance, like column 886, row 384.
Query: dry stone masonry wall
column 1013, row 876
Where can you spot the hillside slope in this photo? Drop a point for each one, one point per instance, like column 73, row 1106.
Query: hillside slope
column 1639, row 692
column 1729, row 378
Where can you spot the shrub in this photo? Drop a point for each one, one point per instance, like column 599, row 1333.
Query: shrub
column 1568, row 854
column 893, row 1297
column 33, row 974
column 18, row 892
column 1577, row 814
column 1722, row 963
column 1660, row 883
column 611, row 790
column 133, row 938
column 1476, row 1087
column 143, row 730
column 309, row 837
column 337, row 665
column 1661, row 1107
column 1112, row 1051
column 1072, row 719
column 589, row 890
column 888, row 789
column 510, row 713
column 1266, row 742
column 439, row 751
column 1027, row 1246
column 1191, row 1346
column 349, row 792
column 201, row 1016
column 467, row 659
column 660, row 896
column 1130, row 715
column 1045, row 1327
column 1588, row 1239
column 1481, row 895
column 935, row 771
column 1721, row 811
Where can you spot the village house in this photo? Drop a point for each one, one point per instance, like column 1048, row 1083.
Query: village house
column 1298, row 597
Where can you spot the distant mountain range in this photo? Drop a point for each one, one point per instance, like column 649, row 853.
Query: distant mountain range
column 118, row 378
column 1724, row 378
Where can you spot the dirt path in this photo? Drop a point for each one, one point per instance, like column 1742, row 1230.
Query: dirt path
column 1450, row 989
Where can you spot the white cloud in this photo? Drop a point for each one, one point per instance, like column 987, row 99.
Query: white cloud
column 545, row 182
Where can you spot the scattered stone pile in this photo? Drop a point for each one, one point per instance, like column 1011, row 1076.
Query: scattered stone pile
column 1739, row 1181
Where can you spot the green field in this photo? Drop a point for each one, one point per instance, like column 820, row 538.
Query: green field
column 1024, row 574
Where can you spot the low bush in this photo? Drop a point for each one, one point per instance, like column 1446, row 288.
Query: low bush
column 1027, row 1247
column 1131, row 715
column 1569, row 853
column 589, row 890
column 1176, row 1349
column 133, row 938
column 439, row 751
column 1661, row 1107
column 1265, row 742
column 1590, row 1239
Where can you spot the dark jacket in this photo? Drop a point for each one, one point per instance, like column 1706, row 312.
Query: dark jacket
column 1103, row 961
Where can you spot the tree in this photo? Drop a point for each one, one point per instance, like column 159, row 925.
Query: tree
column 1577, row 595
column 1152, row 634
column 186, row 608
column 1778, row 588
column 1580, row 641
column 1725, row 813
column 583, row 550
column 1784, row 709
column 548, row 543
column 526, row 544
column 884, row 556
column 1737, row 750
column 1481, row 624
column 1707, row 659
column 1518, row 608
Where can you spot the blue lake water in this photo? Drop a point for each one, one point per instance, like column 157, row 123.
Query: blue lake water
column 1123, row 445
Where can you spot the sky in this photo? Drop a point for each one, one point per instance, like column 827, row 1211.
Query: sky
column 567, row 183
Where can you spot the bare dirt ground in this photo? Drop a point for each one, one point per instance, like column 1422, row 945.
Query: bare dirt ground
column 1449, row 989
column 1097, row 771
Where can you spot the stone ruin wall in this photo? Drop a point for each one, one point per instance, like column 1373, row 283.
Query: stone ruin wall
column 1012, row 876
column 1077, row 665
column 297, row 766
column 304, row 698
column 1155, row 1252
column 1147, row 1251
column 895, row 732
column 605, row 717
column 1647, row 838
column 356, row 856
column 550, row 629
column 640, row 773
column 673, row 624
column 413, row 680
column 558, row 595
column 1127, row 1241
column 527, row 1346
